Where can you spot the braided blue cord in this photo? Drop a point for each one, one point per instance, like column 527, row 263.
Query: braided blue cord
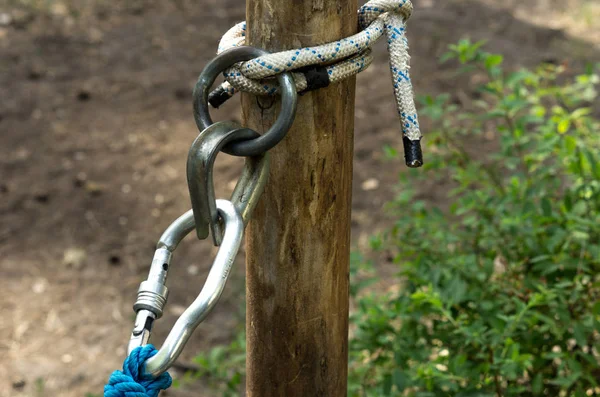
column 131, row 383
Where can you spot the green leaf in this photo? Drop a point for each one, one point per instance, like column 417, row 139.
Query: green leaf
column 596, row 308
column 390, row 152
column 447, row 56
column 546, row 207
column 566, row 381
column 401, row 380
column 387, row 385
column 456, row 290
column 593, row 160
column 579, row 113
column 580, row 392
column 493, row 60
column 570, row 145
column 580, row 235
column 579, row 333
column 537, row 385
column 568, row 201
column 563, row 126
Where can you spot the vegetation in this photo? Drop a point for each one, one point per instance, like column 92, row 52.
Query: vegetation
column 497, row 293
column 500, row 292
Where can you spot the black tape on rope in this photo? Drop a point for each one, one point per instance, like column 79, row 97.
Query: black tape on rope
column 218, row 96
column 412, row 152
column 316, row 77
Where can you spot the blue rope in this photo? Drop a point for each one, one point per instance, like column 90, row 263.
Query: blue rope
column 131, row 383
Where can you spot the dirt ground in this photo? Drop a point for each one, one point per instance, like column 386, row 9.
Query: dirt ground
column 95, row 124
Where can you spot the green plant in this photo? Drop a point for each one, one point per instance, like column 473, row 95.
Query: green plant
column 222, row 368
column 500, row 290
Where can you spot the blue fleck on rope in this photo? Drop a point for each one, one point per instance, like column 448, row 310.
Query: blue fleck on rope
column 131, row 383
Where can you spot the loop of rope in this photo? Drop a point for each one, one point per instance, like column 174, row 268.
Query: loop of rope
column 338, row 60
column 131, row 383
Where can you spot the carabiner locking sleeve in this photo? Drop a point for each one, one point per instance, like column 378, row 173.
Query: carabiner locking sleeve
column 152, row 294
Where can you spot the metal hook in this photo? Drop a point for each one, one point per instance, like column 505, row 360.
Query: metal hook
column 201, row 159
column 152, row 294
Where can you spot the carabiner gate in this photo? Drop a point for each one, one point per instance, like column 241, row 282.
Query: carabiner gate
column 152, row 294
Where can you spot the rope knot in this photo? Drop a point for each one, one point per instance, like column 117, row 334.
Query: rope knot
column 131, row 382
column 337, row 60
column 376, row 8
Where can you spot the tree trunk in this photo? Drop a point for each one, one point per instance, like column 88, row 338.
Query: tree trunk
column 298, row 242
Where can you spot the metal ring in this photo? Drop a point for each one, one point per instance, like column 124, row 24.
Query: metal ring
column 201, row 159
column 289, row 100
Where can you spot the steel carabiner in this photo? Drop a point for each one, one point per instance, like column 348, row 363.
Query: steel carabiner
column 152, row 294
column 201, row 159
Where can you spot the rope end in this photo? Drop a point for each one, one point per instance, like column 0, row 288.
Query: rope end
column 412, row 152
column 218, row 96
column 132, row 381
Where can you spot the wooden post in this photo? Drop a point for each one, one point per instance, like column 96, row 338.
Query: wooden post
column 299, row 239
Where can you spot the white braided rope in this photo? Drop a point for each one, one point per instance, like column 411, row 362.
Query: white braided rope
column 342, row 59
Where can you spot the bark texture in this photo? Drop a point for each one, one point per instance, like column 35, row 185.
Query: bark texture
column 299, row 239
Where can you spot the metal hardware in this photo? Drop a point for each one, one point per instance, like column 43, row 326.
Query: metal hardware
column 201, row 159
column 289, row 99
column 153, row 293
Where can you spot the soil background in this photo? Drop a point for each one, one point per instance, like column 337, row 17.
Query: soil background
column 95, row 124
